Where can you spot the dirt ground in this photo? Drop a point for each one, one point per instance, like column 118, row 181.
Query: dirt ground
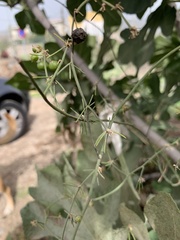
column 38, row 147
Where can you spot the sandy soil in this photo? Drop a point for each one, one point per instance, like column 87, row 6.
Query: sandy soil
column 38, row 147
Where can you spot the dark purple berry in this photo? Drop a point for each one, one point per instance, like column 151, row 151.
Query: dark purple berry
column 78, row 35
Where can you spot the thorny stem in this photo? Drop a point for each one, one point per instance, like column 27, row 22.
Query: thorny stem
column 84, row 102
column 62, row 69
column 173, row 184
column 77, row 82
column 163, row 174
column 111, row 192
column 45, row 66
column 125, row 170
column 82, row 4
column 78, row 10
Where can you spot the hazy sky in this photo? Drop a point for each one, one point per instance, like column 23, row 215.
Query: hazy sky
column 52, row 8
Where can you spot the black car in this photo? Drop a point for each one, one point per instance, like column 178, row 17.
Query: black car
column 15, row 103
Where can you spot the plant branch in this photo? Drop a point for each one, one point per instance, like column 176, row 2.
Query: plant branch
column 153, row 137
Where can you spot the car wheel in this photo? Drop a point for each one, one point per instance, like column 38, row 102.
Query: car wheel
column 18, row 113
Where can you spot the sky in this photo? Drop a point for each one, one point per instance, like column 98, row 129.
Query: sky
column 52, row 8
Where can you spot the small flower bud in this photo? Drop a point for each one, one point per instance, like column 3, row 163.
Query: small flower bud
column 37, row 49
column 77, row 219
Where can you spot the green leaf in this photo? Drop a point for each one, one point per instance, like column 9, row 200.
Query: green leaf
column 37, row 224
column 31, row 66
column 88, row 138
column 87, row 158
column 72, row 5
column 163, row 46
column 153, row 82
column 171, row 72
column 35, row 26
column 111, row 17
column 52, row 48
column 119, row 234
column 20, row 81
column 164, row 216
column 111, row 203
column 133, row 222
column 100, row 226
column 136, row 51
column 123, row 85
column 105, row 51
column 11, row 3
column 21, row 19
column 141, row 14
column 50, row 191
column 41, row 220
column 85, row 50
column 134, row 153
column 25, row 17
column 168, row 20
column 53, row 196
column 136, row 6
column 153, row 235
column 158, row 19
column 144, row 53
column 140, row 50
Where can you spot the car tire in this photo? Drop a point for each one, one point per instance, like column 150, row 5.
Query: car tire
column 18, row 112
